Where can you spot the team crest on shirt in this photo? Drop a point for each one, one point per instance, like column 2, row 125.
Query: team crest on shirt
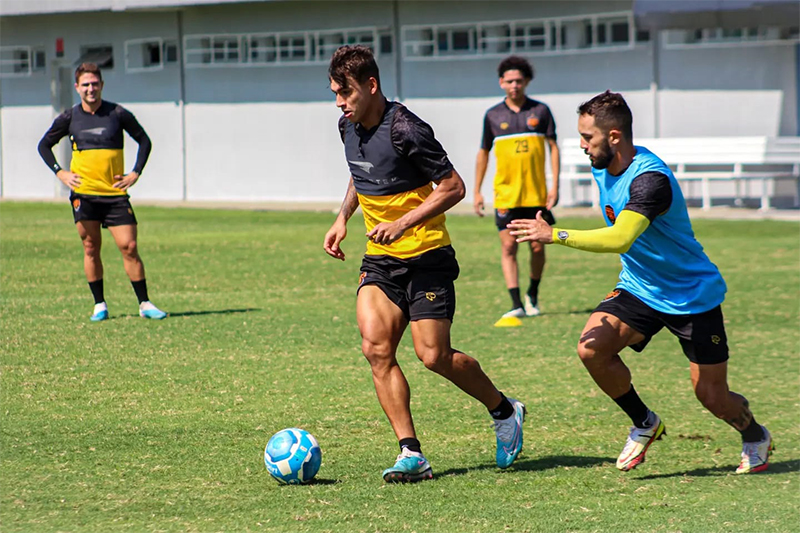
column 504, row 125
column 610, row 214
column 611, row 295
column 533, row 121
column 76, row 204
column 431, row 296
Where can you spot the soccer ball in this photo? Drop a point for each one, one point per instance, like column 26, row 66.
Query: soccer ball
column 292, row 456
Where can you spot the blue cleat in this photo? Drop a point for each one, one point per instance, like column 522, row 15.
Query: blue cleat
column 100, row 312
column 509, row 435
column 148, row 310
column 409, row 468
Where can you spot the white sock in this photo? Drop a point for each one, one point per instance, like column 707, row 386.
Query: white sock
column 100, row 307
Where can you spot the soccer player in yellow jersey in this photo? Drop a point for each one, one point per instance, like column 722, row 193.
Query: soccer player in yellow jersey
column 408, row 271
column 519, row 128
column 99, row 186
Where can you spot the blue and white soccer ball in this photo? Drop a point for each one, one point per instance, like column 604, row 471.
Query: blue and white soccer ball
column 293, row 456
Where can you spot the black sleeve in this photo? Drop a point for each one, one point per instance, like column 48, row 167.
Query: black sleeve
column 651, row 195
column 488, row 137
column 342, row 126
column 58, row 130
column 550, row 132
column 136, row 131
column 413, row 138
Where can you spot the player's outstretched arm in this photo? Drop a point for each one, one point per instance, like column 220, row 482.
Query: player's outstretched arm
column 613, row 239
column 449, row 191
column 338, row 230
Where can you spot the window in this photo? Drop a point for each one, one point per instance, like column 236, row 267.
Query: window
column 101, row 55
column 279, row 48
column 21, row 61
column 170, row 51
column 144, row 54
column 39, row 59
column 553, row 35
column 729, row 36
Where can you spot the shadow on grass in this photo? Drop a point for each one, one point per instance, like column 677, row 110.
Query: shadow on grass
column 574, row 312
column 781, row 467
column 535, row 465
column 217, row 312
column 200, row 313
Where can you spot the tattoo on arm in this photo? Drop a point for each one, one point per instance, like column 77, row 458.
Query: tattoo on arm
column 350, row 202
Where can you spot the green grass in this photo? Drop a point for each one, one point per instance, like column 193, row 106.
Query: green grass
column 133, row 425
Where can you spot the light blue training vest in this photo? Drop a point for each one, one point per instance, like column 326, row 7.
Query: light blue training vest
column 665, row 267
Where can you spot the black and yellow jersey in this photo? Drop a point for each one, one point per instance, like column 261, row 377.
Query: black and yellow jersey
column 518, row 140
column 394, row 166
column 97, row 146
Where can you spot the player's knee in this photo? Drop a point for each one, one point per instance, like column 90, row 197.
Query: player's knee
column 434, row 358
column 91, row 248
column 537, row 248
column 379, row 355
column 713, row 398
column 594, row 352
column 130, row 249
column 510, row 250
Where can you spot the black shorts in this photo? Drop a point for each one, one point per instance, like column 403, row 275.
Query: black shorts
column 702, row 336
column 422, row 286
column 109, row 210
column 503, row 216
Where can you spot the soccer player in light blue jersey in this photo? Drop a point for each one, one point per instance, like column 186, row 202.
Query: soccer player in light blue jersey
column 666, row 281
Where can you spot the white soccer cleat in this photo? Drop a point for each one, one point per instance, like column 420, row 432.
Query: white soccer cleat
column 639, row 440
column 509, row 435
column 530, row 309
column 755, row 455
column 99, row 313
column 148, row 310
column 515, row 313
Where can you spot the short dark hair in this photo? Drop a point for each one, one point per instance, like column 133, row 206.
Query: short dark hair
column 353, row 61
column 610, row 111
column 516, row 63
column 87, row 68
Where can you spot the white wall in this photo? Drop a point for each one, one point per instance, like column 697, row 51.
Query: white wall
column 24, row 173
column 265, row 151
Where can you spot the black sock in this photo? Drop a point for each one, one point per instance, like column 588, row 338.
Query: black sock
column 633, row 407
column 516, row 303
column 533, row 291
column 502, row 411
column 411, row 443
column 97, row 291
column 753, row 433
column 140, row 288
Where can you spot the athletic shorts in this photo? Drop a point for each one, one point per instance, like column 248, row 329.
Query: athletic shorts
column 503, row 216
column 702, row 336
column 422, row 287
column 109, row 210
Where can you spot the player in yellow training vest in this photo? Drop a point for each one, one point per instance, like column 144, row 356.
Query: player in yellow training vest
column 519, row 128
column 409, row 268
column 98, row 184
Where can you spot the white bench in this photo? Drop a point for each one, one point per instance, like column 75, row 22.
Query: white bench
column 708, row 161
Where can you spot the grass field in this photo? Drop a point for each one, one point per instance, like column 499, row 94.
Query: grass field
column 132, row 425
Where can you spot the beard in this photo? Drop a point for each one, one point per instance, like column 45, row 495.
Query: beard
column 604, row 157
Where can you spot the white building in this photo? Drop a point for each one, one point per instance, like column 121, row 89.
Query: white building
column 234, row 93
